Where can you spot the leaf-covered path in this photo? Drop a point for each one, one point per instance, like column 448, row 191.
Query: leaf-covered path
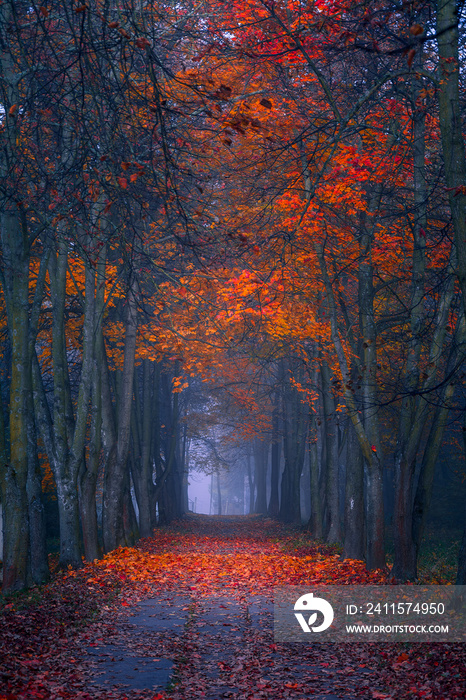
column 188, row 614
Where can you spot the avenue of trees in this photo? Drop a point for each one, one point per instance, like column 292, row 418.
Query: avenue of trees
column 252, row 205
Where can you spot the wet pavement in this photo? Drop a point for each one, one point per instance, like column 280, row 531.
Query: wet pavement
column 210, row 648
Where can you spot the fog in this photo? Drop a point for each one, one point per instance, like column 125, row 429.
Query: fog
column 199, row 492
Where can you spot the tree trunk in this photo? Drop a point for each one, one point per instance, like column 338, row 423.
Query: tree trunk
column 15, row 249
column 184, row 466
column 114, row 503
column 219, row 494
column 87, row 504
column 251, row 484
column 155, row 466
column 295, row 432
column 38, row 560
column 37, row 527
column 130, row 521
column 331, row 467
column 89, row 472
column 142, row 452
column 261, row 454
column 65, row 469
column 169, row 481
column 450, row 120
column 354, row 540
column 405, row 564
column 451, row 130
column 274, row 501
column 315, row 521
column 375, row 554
column 423, row 493
column 15, row 280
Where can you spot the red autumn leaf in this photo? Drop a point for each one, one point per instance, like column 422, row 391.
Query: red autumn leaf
column 416, row 29
column 123, row 182
column 43, row 10
column 12, row 110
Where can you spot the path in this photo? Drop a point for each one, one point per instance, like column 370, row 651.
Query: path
column 218, row 643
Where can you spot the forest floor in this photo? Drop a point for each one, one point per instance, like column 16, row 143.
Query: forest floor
column 188, row 614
